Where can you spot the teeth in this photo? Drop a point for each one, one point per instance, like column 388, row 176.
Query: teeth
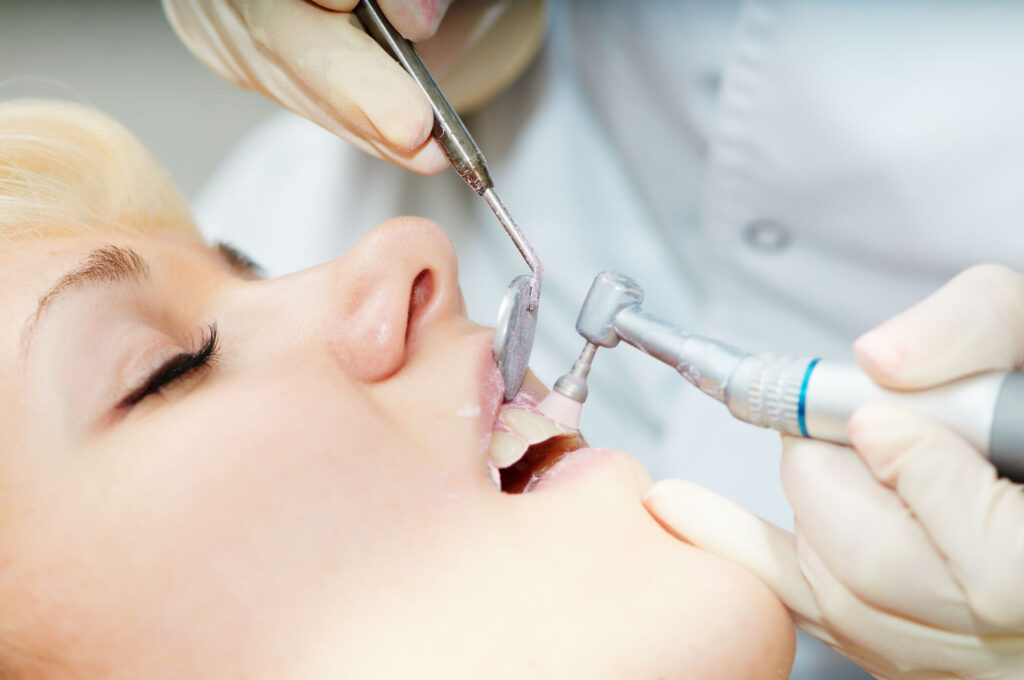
column 495, row 475
column 526, row 429
column 533, row 427
column 506, row 449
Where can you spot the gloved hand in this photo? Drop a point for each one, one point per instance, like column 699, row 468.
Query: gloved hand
column 315, row 59
column 908, row 556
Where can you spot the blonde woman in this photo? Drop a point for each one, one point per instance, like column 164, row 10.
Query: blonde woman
column 209, row 474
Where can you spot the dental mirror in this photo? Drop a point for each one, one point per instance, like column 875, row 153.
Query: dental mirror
column 513, row 333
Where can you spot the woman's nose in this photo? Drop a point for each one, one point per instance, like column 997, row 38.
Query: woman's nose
column 396, row 282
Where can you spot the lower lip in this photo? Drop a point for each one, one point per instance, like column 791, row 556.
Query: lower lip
column 573, row 465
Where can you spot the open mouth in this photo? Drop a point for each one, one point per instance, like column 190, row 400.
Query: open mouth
column 526, row 444
column 538, row 459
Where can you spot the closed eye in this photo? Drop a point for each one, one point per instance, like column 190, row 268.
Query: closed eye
column 240, row 262
column 177, row 367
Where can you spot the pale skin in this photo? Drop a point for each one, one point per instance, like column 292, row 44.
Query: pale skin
column 316, row 503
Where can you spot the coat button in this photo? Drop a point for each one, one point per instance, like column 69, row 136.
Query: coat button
column 765, row 233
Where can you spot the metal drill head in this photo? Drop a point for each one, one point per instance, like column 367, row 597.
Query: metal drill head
column 610, row 293
column 514, row 331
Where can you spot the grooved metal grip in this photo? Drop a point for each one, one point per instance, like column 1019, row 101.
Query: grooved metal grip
column 774, row 391
column 450, row 131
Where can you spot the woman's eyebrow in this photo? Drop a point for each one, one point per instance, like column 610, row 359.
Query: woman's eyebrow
column 109, row 264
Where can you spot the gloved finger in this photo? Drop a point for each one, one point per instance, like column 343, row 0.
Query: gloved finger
column 319, row 64
column 866, row 536
column 416, row 21
column 833, row 602
column 899, row 648
column 338, row 5
column 344, row 67
column 712, row 523
column 973, row 517
column 972, row 324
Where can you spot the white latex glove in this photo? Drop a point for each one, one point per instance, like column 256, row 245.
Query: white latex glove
column 908, row 557
column 315, row 59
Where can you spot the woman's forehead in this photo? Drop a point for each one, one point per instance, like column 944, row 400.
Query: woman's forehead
column 32, row 271
column 28, row 264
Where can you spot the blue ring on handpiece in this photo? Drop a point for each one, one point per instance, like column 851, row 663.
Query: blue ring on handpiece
column 801, row 409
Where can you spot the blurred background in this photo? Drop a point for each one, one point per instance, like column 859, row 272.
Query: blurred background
column 122, row 57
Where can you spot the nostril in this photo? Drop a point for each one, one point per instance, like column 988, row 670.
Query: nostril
column 419, row 298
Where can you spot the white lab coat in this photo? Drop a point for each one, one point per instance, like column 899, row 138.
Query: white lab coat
column 783, row 174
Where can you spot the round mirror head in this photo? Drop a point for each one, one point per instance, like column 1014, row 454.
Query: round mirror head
column 513, row 334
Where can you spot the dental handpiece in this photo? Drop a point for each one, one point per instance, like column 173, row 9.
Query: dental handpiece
column 517, row 316
column 801, row 396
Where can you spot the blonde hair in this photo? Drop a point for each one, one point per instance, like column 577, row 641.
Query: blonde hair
column 66, row 168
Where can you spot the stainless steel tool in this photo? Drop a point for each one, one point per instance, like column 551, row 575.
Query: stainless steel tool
column 517, row 315
column 801, row 396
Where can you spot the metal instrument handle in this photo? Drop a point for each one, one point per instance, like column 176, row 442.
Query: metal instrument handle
column 450, row 131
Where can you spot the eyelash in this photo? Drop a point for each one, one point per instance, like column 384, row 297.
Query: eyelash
column 240, row 259
column 175, row 368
